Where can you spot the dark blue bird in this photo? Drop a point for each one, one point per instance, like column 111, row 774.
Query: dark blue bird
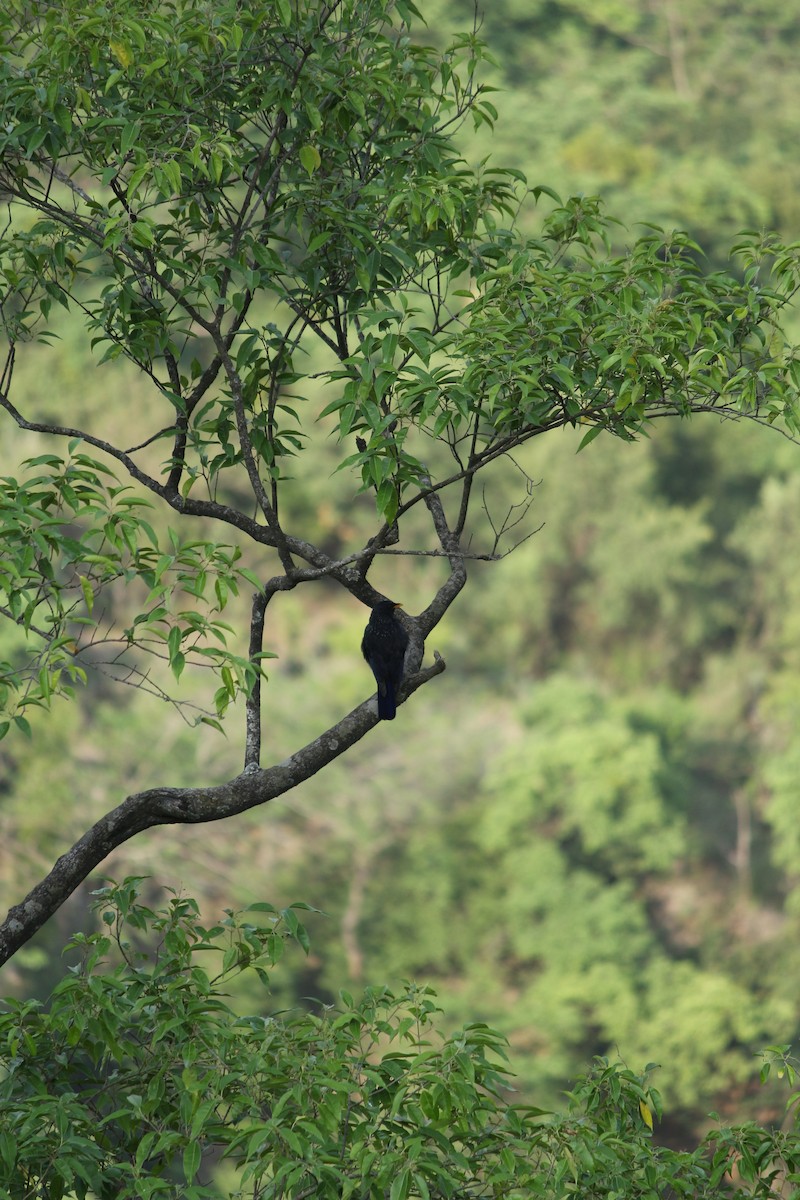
column 384, row 647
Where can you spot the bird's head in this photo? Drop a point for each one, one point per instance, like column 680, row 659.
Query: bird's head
column 385, row 608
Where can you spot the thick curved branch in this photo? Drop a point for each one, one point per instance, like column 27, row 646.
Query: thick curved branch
column 188, row 806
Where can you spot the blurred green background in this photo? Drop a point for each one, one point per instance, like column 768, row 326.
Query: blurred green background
column 586, row 832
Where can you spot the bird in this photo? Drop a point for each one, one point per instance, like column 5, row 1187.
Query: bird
column 384, row 647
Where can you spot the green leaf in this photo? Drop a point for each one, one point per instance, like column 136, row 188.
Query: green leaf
column 88, row 593
column 8, row 1148
column 122, row 53
column 400, row 1185
column 310, row 158
column 590, row 435
column 387, row 499
column 214, row 724
column 130, row 135
column 314, row 116
column 174, row 641
column 191, row 1160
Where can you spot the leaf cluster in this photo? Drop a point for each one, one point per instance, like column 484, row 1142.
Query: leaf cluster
column 70, row 530
column 139, row 1080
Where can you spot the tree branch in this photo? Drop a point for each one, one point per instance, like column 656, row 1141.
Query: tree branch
column 455, row 581
column 252, row 747
column 188, row 806
column 66, row 431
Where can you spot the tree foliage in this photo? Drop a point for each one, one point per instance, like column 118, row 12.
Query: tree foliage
column 362, row 1099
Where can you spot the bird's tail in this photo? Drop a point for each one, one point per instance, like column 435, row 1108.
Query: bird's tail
column 387, row 706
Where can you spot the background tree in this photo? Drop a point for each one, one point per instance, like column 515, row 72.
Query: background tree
column 671, row 115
